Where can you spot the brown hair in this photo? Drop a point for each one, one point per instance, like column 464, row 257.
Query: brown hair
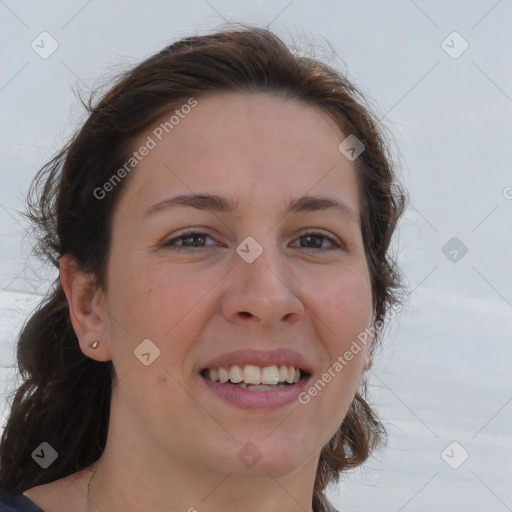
column 65, row 396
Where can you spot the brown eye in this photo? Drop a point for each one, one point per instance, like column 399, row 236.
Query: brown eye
column 189, row 240
column 315, row 240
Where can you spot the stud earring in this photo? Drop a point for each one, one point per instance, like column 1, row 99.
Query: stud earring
column 95, row 344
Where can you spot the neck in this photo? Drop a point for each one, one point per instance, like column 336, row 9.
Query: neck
column 141, row 469
column 132, row 486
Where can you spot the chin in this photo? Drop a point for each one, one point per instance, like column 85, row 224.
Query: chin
column 266, row 451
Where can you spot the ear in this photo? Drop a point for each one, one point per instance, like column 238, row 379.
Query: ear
column 367, row 357
column 368, row 348
column 86, row 309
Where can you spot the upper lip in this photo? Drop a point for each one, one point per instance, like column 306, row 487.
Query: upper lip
column 281, row 356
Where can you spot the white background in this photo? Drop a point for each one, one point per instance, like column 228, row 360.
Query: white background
column 444, row 372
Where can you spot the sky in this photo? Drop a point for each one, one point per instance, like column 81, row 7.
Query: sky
column 438, row 75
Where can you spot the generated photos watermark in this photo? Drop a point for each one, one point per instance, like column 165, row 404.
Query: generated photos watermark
column 342, row 360
column 151, row 142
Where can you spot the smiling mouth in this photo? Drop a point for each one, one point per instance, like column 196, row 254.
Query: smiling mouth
column 256, row 378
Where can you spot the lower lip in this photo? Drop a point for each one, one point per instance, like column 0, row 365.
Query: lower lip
column 257, row 399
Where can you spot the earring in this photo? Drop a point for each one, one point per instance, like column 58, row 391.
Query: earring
column 95, row 344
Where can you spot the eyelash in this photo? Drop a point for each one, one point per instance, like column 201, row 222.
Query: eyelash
column 170, row 243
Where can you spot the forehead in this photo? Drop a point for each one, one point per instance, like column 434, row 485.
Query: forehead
column 264, row 149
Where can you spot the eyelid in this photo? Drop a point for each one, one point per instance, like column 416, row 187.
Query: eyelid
column 183, row 234
column 336, row 242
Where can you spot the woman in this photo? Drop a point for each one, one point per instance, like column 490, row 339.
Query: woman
column 221, row 223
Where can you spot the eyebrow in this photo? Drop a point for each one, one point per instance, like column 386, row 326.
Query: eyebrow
column 227, row 205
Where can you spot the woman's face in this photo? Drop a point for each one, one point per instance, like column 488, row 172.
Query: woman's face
column 259, row 285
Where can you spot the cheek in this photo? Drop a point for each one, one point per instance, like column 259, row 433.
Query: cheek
column 152, row 299
column 344, row 313
column 155, row 303
column 344, row 305
column 162, row 303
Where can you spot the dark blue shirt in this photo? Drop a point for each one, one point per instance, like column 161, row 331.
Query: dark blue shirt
column 16, row 503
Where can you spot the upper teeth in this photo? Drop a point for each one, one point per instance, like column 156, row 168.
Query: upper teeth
column 251, row 374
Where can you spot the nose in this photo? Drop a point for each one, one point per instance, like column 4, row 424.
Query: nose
column 264, row 293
